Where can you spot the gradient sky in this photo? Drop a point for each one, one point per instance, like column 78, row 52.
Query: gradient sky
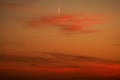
column 17, row 35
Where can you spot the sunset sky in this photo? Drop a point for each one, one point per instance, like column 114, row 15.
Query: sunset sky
column 19, row 37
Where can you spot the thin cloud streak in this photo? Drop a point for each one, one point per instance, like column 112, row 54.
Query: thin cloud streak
column 68, row 22
column 55, row 59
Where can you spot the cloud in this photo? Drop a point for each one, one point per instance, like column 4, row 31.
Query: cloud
column 77, row 28
column 17, row 1
column 68, row 22
column 11, row 43
column 55, row 59
column 65, row 22
column 17, row 58
column 20, row 7
column 79, row 58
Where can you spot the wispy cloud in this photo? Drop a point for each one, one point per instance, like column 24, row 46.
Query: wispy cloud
column 12, row 43
column 23, row 6
column 55, row 59
column 69, row 22
column 60, row 65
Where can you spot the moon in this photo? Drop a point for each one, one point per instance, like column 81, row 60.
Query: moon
column 58, row 10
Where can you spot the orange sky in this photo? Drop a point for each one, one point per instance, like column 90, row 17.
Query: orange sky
column 17, row 35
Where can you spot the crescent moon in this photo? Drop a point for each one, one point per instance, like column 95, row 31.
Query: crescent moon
column 58, row 10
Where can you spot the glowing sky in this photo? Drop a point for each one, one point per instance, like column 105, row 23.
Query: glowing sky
column 18, row 35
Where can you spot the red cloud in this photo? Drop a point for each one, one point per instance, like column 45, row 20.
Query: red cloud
column 69, row 22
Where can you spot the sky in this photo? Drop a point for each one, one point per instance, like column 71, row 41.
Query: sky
column 82, row 28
